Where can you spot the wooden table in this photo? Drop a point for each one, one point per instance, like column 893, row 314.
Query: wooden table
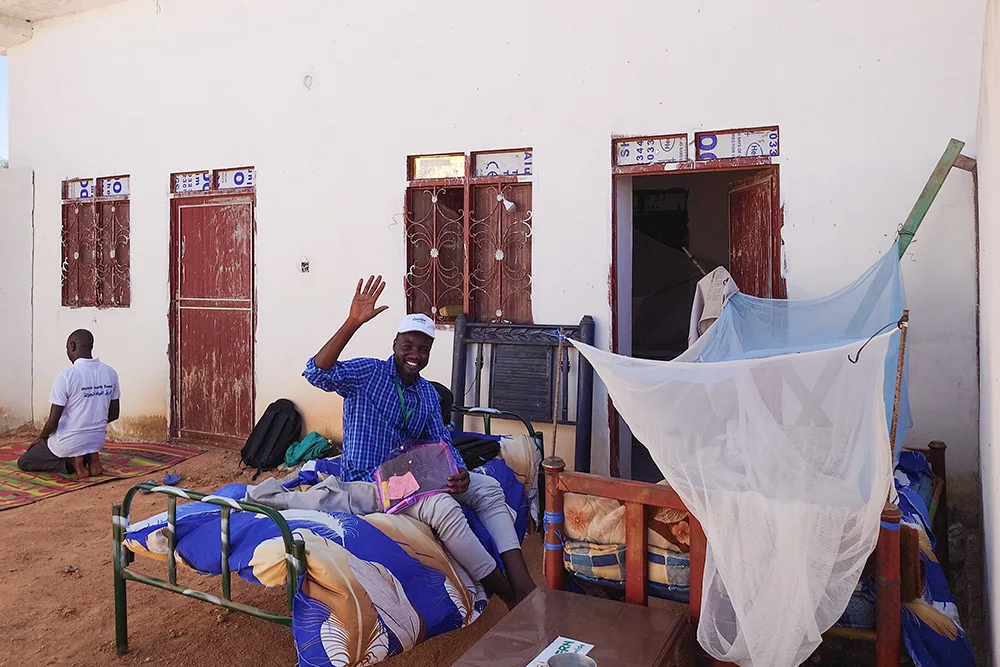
column 623, row 635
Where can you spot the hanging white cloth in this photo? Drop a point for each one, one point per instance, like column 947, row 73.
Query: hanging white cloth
column 785, row 461
column 710, row 297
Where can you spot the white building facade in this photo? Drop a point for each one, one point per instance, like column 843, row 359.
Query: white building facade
column 327, row 101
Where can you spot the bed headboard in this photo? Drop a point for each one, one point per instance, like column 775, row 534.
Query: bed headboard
column 519, row 364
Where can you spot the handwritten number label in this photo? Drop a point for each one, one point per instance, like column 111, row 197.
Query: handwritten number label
column 650, row 151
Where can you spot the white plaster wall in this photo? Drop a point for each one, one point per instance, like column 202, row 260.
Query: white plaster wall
column 865, row 108
column 15, row 297
column 989, row 280
column 939, row 271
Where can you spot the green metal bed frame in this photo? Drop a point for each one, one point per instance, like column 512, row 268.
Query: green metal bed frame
column 490, row 413
column 295, row 556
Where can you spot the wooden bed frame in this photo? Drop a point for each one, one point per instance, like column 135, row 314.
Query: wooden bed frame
column 896, row 561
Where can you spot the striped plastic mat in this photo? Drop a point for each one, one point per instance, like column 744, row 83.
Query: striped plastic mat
column 119, row 459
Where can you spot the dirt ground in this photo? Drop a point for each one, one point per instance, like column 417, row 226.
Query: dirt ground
column 57, row 606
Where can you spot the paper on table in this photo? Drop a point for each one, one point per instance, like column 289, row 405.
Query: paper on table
column 558, row 646
column 401, row 486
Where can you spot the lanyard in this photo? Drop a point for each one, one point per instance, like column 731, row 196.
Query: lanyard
column 402, row 403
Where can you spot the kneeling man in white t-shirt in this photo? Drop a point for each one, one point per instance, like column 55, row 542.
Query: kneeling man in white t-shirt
column 84, row 400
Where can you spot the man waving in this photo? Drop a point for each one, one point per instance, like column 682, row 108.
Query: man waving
column 387, row 403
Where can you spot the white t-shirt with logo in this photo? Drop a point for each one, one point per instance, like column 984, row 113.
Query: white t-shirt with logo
column 85, row 390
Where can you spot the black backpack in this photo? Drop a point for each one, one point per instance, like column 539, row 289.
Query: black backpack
column 276, row 430
column 475, row 451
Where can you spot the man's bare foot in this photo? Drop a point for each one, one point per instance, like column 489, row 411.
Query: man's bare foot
column 496, row 583
column 94, row 464
column 79, row 465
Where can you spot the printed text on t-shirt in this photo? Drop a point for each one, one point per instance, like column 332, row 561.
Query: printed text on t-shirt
column 97, row 390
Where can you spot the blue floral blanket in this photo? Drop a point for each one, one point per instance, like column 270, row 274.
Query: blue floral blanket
column 374, row 586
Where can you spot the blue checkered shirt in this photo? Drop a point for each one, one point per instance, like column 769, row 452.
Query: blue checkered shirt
column 374, row 427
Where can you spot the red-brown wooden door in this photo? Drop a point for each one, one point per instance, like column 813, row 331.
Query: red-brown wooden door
column 212, row 319
column 755, row 235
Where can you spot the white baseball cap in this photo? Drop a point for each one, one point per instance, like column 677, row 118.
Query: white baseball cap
column 418, row 323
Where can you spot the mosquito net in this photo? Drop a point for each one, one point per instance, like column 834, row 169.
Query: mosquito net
column 750, row 327
column 774, row 432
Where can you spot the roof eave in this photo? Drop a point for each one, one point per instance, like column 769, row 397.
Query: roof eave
column 13, row 32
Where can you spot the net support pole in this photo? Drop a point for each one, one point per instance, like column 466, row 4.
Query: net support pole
column 904, row 323
column 887, row 551
column 910, row 226
column 923, row 204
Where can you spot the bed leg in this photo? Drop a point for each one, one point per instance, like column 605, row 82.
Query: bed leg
column 118, row 558
column 937, row 456
column 172, row 539
column 698, row 545
column 226, row 579
column 888, row 630
column 296, row 569
column 553, row 523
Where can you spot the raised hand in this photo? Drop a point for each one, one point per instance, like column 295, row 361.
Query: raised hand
column 363, row 307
